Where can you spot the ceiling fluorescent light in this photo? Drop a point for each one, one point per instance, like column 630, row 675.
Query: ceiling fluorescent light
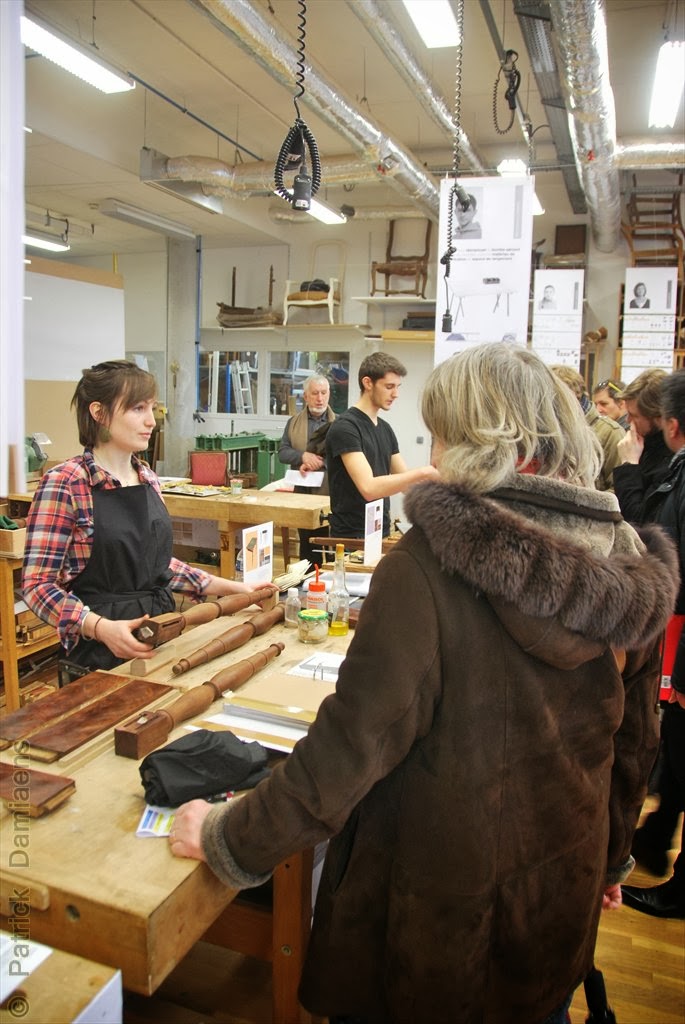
column 50, row 243
column 434, row 21
column 320, row 210
column 144, row 219
column 667, row 90
column 326, row 214
column 512, row 166
column 73, row 57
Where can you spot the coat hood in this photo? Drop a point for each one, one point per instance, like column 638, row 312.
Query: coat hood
column 564, row 574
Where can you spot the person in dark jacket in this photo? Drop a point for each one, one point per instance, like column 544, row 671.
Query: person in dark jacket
column 643, row 451
column 476, row 768
column 654, row 839
column 297, row 450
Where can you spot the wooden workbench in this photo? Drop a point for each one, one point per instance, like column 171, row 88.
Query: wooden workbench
column 99, row 891
column 286, row 509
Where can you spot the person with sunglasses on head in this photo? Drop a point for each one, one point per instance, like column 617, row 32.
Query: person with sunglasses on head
column 98, row 558
column 607, row 398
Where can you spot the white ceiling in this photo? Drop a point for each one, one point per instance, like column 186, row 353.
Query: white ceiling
column 86, row 146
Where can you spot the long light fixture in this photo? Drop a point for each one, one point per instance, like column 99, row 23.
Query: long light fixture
column 144, row 219
column 38, row 36
column 667, row 90
column 42, row 240
column 434, row 21
column 514, row 166
column 321, row 211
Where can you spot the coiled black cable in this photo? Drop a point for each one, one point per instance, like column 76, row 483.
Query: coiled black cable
column 457, row 193
column 513, row 77
column 294, row 145
column 299, row 140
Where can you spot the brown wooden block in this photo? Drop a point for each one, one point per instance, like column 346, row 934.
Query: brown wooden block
column 142, row 734
column 65, row 736
column 38, row 792
column 79, row 694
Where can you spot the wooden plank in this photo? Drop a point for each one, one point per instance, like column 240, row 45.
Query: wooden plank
column 40, row 792
column 65, row 736
column 70, row 699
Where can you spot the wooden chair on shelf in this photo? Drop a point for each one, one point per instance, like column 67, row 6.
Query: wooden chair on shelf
column 395, row 265
column 310, row 298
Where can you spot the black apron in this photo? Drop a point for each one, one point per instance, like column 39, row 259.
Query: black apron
column 128, row 571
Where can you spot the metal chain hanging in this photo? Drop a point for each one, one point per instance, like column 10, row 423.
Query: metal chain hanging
column 457, row 192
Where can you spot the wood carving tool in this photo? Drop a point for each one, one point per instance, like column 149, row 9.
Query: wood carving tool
column 142, row 734
column 160, row 628
column 231, row 639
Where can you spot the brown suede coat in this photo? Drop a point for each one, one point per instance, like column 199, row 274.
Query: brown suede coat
column 481, row 765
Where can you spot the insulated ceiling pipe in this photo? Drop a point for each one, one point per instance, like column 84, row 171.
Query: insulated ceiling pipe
column 254, row 179
column 407, row 66
column 580, row 27
column 247, row 26
column 360, row 213
column 640, row 154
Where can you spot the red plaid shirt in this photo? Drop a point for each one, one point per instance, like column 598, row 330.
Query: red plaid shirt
column 59, row 542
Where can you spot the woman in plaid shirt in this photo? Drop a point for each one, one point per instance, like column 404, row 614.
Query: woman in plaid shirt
column 98, row 555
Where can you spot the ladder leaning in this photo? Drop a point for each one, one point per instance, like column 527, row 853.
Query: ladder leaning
column 242, row 389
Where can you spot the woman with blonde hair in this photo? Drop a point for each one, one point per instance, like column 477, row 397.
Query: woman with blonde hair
column 483, row 761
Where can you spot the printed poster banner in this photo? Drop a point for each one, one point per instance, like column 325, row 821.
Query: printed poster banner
column 484, row 281
column 649, row 313
column 258, row 547
column 558, row 316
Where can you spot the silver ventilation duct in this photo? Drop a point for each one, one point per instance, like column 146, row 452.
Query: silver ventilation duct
column 646, row 154
column 580, row 29
column 284, row 212
column 253, row 33
column 406, row 65
column 242, row 181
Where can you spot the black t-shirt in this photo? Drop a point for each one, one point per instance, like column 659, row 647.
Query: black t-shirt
column 354, row 431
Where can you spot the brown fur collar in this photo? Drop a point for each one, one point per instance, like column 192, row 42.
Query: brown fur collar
column 624, row 601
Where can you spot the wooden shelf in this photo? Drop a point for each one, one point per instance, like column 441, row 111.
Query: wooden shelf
column 10, row 650
column 393, row 300
column 415, row 337
column 288, row 328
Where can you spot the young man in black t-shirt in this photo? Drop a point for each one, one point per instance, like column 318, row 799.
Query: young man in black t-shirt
column 362, row 454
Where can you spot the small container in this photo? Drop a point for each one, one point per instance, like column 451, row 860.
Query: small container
column 316, row 595
column 292, row 608
column 236, row 487
column 312, row 625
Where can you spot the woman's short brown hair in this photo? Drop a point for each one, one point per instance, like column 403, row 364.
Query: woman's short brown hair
column 114, row 383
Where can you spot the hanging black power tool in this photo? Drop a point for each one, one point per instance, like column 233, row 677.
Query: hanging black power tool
column 299, row 141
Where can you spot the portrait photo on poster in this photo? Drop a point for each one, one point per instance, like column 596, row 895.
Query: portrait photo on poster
column 650, row 290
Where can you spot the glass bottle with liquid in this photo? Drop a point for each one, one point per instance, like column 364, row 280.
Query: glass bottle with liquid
column 338, row 597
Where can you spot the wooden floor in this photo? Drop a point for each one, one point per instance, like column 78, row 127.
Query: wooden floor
column 642, row 959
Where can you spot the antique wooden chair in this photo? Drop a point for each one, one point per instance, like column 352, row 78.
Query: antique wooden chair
column 395, row 265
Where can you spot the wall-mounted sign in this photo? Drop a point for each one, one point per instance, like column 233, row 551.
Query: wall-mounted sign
column 558, row 316
column 486, row 276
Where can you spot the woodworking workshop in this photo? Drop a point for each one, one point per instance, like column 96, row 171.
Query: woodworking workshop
column 342, row 512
